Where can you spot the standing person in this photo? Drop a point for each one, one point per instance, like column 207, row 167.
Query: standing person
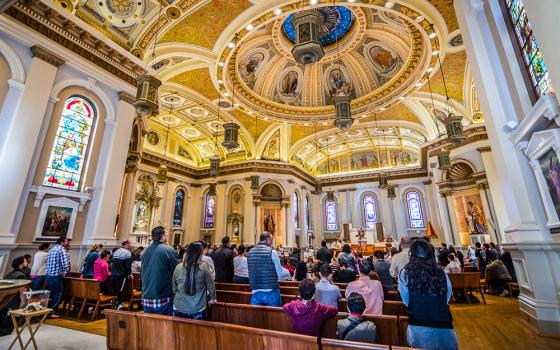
column 459, row 257
column 101, row 271
column 382, row 268
column 264, row 269
column 453, row 266
column 193, row 285
column 121, row 270
column 56, row 268
column 223, row 262
column 301, row 272
column 399, row 261
column 371, row 290
column 240, row 268
column 207, row 259
column 343, row 275
column 481, row 261
column 426, row 290
column 306, row 314
column 89, row 260
column 324, row 254
column 346, row 257
column 158, row 265
column 355, row 327
column 326, row 292
column 38, row 267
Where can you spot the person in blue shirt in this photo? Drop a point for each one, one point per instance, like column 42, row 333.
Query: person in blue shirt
column 89, row 260
column 326, row 292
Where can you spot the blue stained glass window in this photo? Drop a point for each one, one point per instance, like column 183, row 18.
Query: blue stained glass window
column 337, row 22
column 69, row 151
column 369, row 211
column 209, row 211
column 296, row 210
column 414, row 210
column 330, row 213
column 178, row 213
column 538, row 72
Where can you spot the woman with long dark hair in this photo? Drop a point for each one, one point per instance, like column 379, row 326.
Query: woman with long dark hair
column 426, row 290
column 301, row 271
column 345, row 256
column 193, row 285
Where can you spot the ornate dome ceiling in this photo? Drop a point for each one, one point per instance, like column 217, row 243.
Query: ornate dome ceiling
column 374, row 54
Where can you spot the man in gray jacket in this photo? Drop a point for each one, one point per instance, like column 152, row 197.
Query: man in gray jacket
column 355, row 327
column 158, row 263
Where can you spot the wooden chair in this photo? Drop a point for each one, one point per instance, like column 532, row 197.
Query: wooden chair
column 156, row 331
column 335, row 344
column 122, row 330
column 136, row 292
column 232, row 287
column 85, row 292
column 194, row 335
column 233, row 297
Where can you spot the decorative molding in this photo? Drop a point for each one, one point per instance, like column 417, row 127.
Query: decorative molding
column 47, row 56
column 41, row 191
column 484, row 149
column 57, row 202
column 126, row 97
column 539, row 117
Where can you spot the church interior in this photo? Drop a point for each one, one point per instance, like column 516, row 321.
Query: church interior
column 354, row 121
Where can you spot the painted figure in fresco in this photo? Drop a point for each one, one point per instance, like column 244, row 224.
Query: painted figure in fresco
column 269, row 224
column 289, row 84
column 338, row 82
column 474, row 219
column 383, row 59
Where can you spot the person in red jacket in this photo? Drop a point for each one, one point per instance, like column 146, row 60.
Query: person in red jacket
column 306, row 314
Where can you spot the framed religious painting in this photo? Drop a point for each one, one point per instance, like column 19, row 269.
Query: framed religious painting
column 57, row 218
column 543, row 151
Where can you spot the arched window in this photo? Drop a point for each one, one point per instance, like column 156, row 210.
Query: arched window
column 296, row 210
column 178, row 213
column 414, row 205
column 370, row 215
column 331, row 215
column 530, row 52
column 307, row 215
column 69, row 151
column 209, row 211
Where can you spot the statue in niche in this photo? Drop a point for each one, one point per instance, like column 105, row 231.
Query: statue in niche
column 141, row 217
column 474, row 219
column 269, row 224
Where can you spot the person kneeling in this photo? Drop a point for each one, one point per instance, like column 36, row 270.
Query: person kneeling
column 355, row 327
column 306, row 314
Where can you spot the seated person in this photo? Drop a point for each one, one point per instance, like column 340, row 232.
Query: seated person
column 19, row 266
column 454, row 266
column 382, row 268
column 326, row 292
column 343, row 275
column 355, row 327
column 371, row 290
column 306, row 314
column 285, row 275
column 301, row 272
column 497, row 276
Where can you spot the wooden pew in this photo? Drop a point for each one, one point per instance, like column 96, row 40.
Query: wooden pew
column 122, row 330
column 386, row 328
column 403, row 326
column 335, row 344
column 466, row 282
column 85, row 292
column 136, row 292
column 194, row 335
column 156, row 331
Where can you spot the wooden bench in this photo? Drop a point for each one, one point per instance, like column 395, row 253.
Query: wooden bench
column 136, row 292
column 85, row 292
column 466, row 282
column 135, row 331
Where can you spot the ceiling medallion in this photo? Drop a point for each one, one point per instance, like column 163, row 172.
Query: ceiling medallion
column 308, row 48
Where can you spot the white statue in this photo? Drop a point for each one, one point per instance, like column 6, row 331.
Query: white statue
column 141, row 219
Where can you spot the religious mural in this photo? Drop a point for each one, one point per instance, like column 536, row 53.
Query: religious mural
column 182, row 152
column 272, row 149
column 550, row 167
column 468, row 211
column 385, row 62
column 250, row 66
column 365, row 160
column 57, row 221
column 289, row 84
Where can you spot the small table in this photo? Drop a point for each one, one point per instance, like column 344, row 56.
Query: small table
column 28, row 316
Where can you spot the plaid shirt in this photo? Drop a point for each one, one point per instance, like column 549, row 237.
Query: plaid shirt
column 155, row 303
column 57, row 261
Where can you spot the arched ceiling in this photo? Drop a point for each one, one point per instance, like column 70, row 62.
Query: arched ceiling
column 230, row 60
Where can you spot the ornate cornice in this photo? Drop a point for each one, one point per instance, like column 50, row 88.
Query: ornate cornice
column 126, row 97
column 47, row 56
column 484, row 149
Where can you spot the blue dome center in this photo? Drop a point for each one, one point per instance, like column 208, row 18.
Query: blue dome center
column 337, row 22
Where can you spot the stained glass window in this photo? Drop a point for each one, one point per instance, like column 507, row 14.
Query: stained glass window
column 306, row 210
column 414, row 210
column 330, row 213
column 209, row 211
column 532, row 58
column 337, row 22
column 68, row 155
column 178, row 213
column 370, row 215
column 296, row 210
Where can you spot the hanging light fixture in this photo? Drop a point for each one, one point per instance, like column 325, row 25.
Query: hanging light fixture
column 212, row 189
column 391, row 192
column 452, row 122
column 231, row 129
column 308, row 48
column 330, row 196
column 341, row 99
column 444, row 160
column 147, row 85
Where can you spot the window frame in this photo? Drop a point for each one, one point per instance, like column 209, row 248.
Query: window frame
column 325, row 208
column 364, row 212
column 204, row 212
column 182, row 208
column 422, row 209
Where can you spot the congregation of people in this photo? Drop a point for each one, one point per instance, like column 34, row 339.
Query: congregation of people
column 180, row 281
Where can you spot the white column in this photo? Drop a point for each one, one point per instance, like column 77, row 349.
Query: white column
column 221, row 212
column 393, row 222
column 8, row 113
column 248, row 235
column 400, row 220
column 490, row 222
column 386, row 209
column 445, row 218
column 355, row 217
column 194, row 207
column 344, row 208
column 455, row 236
column 495, row 188
column 21, row 134
column 103, row 210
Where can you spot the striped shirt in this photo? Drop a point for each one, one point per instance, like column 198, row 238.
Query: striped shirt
column 57, row 261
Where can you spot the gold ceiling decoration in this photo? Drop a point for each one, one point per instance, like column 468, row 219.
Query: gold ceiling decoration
column 198, row 80
column 454, row 67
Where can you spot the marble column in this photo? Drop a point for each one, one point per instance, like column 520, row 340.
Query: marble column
column 489, row 218
column 195, row 211
column 355, row 221
column 385, row 212
column 221, row 212
column 248, row 214
column 447, row 213
column 21, row 132
column 495, row 189
column 102, row 214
